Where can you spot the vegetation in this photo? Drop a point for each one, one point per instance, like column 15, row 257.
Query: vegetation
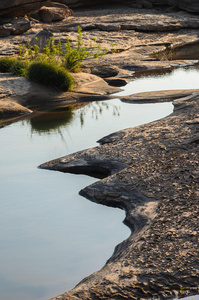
column 67, row 56
column 51, row 66
column 6, row 63
column 19, row 68
column 50, row 74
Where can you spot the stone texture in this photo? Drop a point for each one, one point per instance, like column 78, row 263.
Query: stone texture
column 20, row 90
column 160, row 96
column 54, row 12
column 12, row 109
column 188, row 5
column 22, row 7
column 151, row 172
column 18, row 8
column 14, row 27
column 41, row 39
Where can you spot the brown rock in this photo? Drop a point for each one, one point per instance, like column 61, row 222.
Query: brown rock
column 19, row 8
column 54, row 12
column 9, row 109
column 14, row 27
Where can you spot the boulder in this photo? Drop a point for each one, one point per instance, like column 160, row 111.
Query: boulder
column 54, row 12
column 14, row 27
column 10, row 109
column 19, row 8
column 189, row 5
column 41, row 39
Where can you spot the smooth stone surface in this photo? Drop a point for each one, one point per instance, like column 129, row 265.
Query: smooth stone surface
column 158, row 96
column 87, row 87
column 10, row 109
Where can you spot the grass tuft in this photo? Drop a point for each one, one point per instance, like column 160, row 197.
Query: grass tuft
column 50, row 75
column 19, row 69
column 6, row 63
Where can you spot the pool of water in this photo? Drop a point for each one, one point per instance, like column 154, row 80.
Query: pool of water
column 51, row 237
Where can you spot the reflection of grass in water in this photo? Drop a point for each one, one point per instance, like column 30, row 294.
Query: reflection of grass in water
column 51, row 121
column 97, row 108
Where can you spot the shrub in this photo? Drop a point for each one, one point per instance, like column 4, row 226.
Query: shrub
column 50, row 75
column 69, row 57
column 19, row 68
column 6, row 63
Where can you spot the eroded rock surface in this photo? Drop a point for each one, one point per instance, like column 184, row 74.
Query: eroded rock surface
column 29, row 94
column 18, row 8
column 153, row 174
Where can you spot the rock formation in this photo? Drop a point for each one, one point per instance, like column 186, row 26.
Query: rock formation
column 150, row 171
column 18, row 8
column 52, row 12
column 14, row 8
column 190, row 6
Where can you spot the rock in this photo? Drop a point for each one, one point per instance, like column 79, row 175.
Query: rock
column 104, row 70
column 54, row 12
column 41, row 39
column 30, row 94
column 10, row 109
column 139, row 164
column 160, row 96
column 19, row 8
column 4, row 31
column 189, row 5
column 14, row 27
column 146, row 4
column 89, row 83
column 108, row 27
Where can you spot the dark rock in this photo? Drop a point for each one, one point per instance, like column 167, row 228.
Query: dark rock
column 4, row 31
column 108, row 27
column 41, row 39
column 14, row 27
column 19, row 8
column 189, row 5
column 147, row 4
column 104, row 71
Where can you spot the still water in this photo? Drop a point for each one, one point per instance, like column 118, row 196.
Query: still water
column 51, row 237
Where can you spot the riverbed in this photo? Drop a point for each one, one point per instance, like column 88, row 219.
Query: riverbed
column 51, row 237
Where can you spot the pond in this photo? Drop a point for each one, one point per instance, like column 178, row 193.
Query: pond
column 50, row 237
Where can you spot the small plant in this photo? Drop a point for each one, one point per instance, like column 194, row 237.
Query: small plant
column 19, row 68
column 6, row 63
column 69, row 57
column 50, row 74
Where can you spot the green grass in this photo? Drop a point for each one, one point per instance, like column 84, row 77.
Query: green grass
column 51, row 75
column 19, row 68
column 6, row 63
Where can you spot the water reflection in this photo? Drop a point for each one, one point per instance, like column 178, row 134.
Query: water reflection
column 56, row 121
column 51, row 121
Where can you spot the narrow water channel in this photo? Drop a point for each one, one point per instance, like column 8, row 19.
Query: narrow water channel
column 51, row 237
